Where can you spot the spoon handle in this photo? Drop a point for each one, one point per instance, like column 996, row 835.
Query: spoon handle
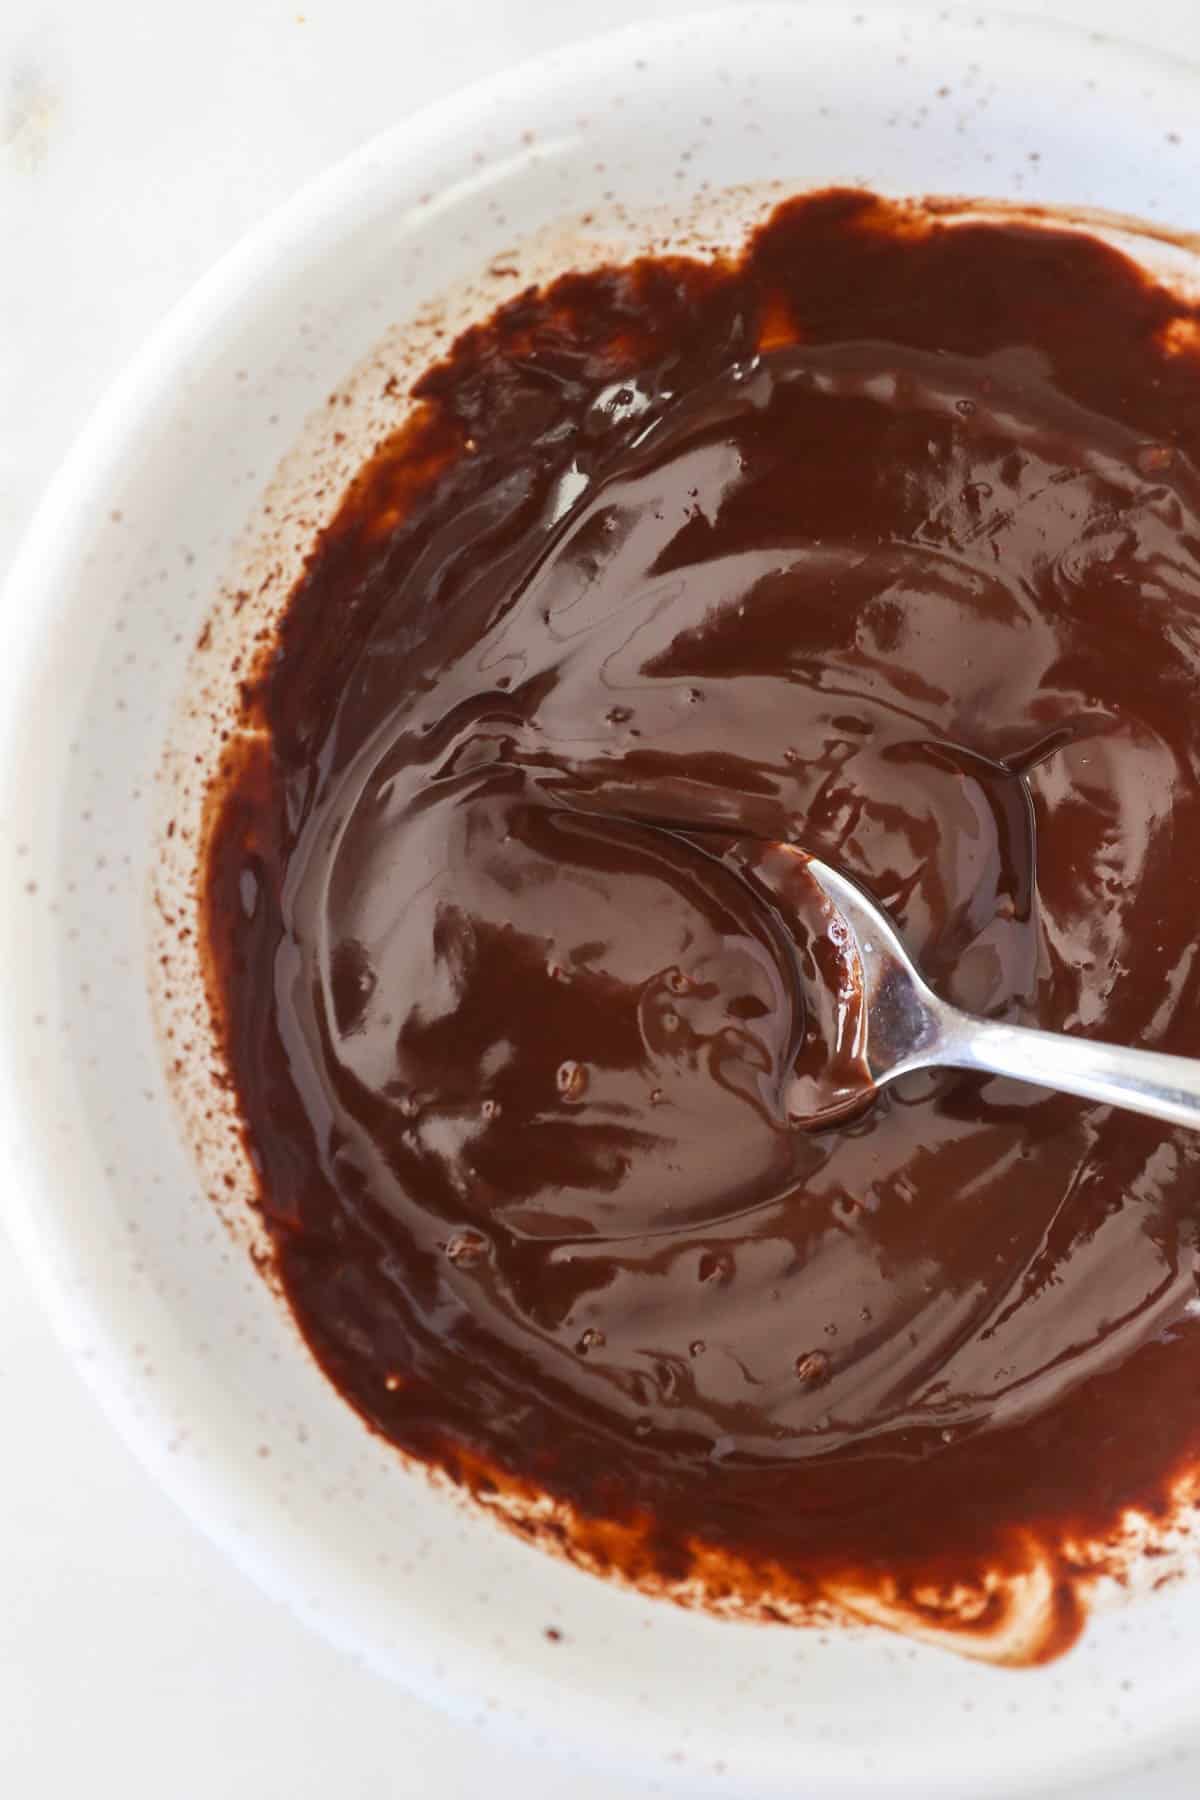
column 1145, row 1081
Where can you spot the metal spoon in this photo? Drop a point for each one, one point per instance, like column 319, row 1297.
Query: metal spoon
column 907, row 1027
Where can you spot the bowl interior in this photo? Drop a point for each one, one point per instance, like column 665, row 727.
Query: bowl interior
column 681, row 135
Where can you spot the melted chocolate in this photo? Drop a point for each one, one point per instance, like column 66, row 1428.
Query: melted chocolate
column 883, row 542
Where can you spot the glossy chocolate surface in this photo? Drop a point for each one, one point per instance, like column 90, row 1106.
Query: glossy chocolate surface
column 884, row 542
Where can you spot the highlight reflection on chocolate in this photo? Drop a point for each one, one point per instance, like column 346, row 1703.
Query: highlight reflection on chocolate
column 882, row 541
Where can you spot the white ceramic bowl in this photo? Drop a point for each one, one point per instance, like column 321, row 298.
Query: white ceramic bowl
column 143, row 529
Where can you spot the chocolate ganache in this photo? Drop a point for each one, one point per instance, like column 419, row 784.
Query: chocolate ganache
column 880, row 540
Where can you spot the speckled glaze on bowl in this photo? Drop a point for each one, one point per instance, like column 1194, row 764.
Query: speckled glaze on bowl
column 666, row 134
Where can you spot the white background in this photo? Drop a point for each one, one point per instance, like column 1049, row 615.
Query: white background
column 138, row 140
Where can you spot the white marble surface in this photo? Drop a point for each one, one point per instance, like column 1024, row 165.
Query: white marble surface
column 137, row 142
